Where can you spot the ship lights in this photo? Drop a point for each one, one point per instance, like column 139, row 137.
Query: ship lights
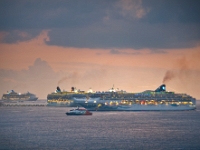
column 99, row 105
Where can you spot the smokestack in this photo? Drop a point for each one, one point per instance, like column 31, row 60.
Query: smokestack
column 58, row 89
column 161, row 88
column 72, row 89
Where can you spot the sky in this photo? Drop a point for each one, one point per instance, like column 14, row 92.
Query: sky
column 133, row 45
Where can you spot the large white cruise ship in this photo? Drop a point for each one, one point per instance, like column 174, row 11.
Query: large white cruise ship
column 148, row 100
column 120, row 100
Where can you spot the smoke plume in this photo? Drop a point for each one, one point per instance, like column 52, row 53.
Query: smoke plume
column 169, row 75
column 70, row 78
column 180, row 73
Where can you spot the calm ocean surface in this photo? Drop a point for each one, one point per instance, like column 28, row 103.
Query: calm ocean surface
column 31, row 127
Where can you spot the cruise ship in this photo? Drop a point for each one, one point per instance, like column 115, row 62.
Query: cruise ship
column 120, row 100
column 64, row 98
column 13, row 96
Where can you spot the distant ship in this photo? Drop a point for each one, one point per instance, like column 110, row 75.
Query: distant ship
column 120, row 100
column 13, row 96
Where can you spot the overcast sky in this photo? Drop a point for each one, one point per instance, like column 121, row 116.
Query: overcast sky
column 99, row 42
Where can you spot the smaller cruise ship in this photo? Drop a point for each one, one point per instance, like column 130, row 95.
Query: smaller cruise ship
column 13, row 96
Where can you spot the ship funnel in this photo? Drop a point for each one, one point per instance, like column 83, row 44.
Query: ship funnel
column 58, row 89
column 72, row 89
column 161, row 88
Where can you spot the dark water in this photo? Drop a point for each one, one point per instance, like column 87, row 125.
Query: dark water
column 49, row 128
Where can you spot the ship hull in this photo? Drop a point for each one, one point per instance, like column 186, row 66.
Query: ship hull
column 61, row 104
column 18, row 99
column 136, row 107
column 94, row 105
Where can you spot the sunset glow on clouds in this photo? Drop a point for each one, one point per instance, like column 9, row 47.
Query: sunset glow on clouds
column 125, row 43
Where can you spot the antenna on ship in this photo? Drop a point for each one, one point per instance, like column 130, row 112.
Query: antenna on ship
column 87, row 98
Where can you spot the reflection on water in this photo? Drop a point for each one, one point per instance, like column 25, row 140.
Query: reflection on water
column 50, row 128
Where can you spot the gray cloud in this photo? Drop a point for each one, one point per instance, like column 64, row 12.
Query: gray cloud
column 182, row 11
column 20, row 35
column 104, row 24
column 118, row 52
column 114, row 51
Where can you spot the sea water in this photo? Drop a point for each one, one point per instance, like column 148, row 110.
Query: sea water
column 49, row 128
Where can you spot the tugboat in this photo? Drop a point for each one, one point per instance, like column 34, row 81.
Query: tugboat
column 79, row 111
